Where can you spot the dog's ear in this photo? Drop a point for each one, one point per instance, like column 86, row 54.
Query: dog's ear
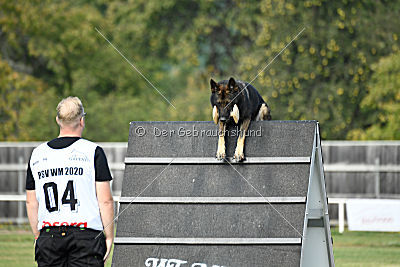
column 213, row 85
column 232, row 84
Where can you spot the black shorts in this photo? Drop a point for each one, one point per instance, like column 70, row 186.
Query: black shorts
column 70, row 246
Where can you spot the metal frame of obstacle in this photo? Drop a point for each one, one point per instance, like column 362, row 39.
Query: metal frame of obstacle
column 316, row 242
column 317, row 247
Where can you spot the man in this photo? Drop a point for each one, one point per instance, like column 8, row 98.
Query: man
column 68, row 196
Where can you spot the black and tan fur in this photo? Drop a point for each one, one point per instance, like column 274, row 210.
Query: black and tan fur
column 236, row 102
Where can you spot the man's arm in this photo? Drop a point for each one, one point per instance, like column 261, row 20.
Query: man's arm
column 32, row 206
column 106, row 205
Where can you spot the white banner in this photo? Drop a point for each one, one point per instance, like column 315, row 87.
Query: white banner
column 373, row 215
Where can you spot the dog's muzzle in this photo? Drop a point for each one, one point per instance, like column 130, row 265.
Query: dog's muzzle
column 222, row 119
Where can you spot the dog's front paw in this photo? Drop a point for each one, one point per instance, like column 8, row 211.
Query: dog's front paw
column 220, row 155
column 239, row 156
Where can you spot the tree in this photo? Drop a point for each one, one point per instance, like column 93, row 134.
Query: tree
column 322, row 75
column 179, row 45
column 17, row 92
column 382, row 102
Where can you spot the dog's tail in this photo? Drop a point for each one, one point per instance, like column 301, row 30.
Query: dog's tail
column 264, row 113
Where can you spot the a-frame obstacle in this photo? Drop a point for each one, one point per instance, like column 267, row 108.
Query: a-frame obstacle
column 181, row 207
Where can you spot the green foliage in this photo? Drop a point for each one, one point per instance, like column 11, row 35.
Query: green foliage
column 382, row 102
column 112, row 113
column 17, row 92
column 330, row 73
column 39, row 117
column 323, row 74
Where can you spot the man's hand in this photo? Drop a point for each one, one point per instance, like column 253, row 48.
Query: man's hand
column 109, row 242
column 36, row 234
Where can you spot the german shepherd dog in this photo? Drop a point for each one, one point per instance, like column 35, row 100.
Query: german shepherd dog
column 239, row 102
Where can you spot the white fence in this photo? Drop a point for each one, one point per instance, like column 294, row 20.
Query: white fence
column 336, row 198
column 21, row 169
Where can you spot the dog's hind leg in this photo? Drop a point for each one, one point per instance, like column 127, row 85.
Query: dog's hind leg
column 264, row 113
column 221, row 141
column 239, row 155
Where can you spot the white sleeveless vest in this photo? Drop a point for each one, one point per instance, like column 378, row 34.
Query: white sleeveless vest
column 65, row 185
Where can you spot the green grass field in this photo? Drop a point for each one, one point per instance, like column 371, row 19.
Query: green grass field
column 366, row 248
column 16, row 247
column 350, row 249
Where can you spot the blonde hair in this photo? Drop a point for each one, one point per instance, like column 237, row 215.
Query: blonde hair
column 70, row 111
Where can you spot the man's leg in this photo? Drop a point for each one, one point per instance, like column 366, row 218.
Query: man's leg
column 87, row 248
column 50, row 249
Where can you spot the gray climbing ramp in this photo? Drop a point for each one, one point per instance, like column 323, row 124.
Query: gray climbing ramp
column 181, row 207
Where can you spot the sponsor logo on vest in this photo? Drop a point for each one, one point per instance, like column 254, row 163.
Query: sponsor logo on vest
column 78, row 156
column 77, row 224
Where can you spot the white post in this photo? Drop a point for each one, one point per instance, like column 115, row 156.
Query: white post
column 341, row 216
column 377, row 179
column 21, row 191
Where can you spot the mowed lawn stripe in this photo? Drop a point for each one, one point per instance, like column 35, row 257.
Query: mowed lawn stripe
column 350, row 248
